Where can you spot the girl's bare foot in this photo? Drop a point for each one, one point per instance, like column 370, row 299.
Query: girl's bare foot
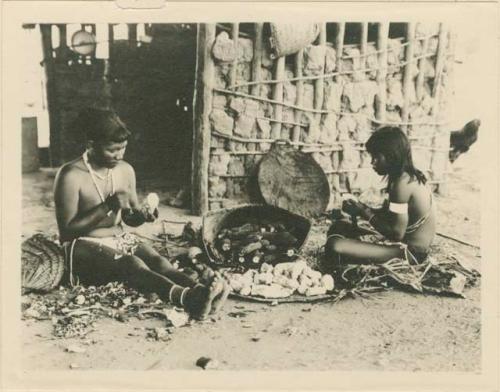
column 198, row 301
column 220, row 299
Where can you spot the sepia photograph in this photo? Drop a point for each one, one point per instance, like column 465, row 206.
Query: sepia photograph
column 252, row 195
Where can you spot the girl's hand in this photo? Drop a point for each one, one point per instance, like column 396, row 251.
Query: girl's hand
column 353, row 207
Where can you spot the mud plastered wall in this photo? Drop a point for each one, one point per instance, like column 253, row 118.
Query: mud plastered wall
column 327, row 100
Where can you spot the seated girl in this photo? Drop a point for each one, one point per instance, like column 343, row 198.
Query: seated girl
column 404, row 226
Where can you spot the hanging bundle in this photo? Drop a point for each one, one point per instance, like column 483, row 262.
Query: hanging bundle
column 42, row 264
column 289, row 38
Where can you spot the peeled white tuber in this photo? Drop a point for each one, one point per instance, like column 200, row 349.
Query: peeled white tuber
column 327, row 282
column 246, row 290
column 265, row 268
column 264, row 278
column 302, row 289
column 312, row 274
column 283, row 268
column 272, row 291
column 297, row 269
column 315, row 290
column 305, row 280
column 285, row 282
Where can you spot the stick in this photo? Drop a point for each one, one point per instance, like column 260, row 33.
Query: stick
column 299, row 63
column 258, row 53
column 408, row 79
column 257, row 58
column 278, row 98
column 323, row 111
column 383, row 33
column 460, row 241
column 319, row 89
column 235, row 32
column 440, row 57
column 364, row 43
column 421, row 70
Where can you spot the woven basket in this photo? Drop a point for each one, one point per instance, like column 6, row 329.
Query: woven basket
column 215, row 221
column 289, row 38
column 42, row 265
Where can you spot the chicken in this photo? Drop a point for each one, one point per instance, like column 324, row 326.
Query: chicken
column 461, row 140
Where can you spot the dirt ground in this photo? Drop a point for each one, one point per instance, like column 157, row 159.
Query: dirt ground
column 391, row 331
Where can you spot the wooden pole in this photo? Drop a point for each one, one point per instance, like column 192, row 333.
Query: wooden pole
column 442, row 188
column 364, row 43
column 132, row 34
column 52, row 103
column 383, row 34
column 319, row 85
column 257, row 58
column 339, row 47
column 408, row 77
column 235, row 33
column 421, row 70
column 440, row 58
column 299, row 88
column 258, row 52
column 203, row 95
column 278, row 96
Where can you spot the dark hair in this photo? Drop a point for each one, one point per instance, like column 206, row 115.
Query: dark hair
column 102, row 126
column 392, row 143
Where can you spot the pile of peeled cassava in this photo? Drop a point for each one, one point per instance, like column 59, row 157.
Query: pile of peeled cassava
column 281, row 280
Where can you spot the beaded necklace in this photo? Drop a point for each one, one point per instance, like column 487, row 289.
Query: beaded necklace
column 93, row 175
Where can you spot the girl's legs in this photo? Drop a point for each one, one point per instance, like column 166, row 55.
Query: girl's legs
column 161, row 265
column 95, row 264
column 347, row 229
column 340, row 251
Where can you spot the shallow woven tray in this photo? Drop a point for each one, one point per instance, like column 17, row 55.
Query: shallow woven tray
column 294, row 298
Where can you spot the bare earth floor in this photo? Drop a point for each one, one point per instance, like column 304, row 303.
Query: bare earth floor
column 392, row 331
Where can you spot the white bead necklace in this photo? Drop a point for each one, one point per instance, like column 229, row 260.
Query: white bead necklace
column 93, row 175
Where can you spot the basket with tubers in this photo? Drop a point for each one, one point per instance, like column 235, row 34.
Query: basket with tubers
column 250, row 236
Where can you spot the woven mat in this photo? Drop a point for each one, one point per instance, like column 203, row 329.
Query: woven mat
column 294, row 298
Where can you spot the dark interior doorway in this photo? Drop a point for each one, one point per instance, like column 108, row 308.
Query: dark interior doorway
column 148, row 83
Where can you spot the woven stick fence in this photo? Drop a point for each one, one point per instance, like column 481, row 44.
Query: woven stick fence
column 326, row 99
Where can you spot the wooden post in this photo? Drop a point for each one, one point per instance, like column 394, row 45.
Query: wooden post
column 52, row 104
column 339, row 47
column 383, row 34
column 364, row 43
column 203, row 95
column 278, row 96
column 132, row 34
column 257, row 58
column 421, row 70
column 299, row 88
column 440, row 58
column 319, row 85
column 441, row 54
column 408, row 77
column 258, row 52
column 235, row 33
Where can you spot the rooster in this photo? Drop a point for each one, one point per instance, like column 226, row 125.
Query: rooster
column 461, row 140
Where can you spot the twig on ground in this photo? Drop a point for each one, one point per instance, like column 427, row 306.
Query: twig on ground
column 460, row 241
